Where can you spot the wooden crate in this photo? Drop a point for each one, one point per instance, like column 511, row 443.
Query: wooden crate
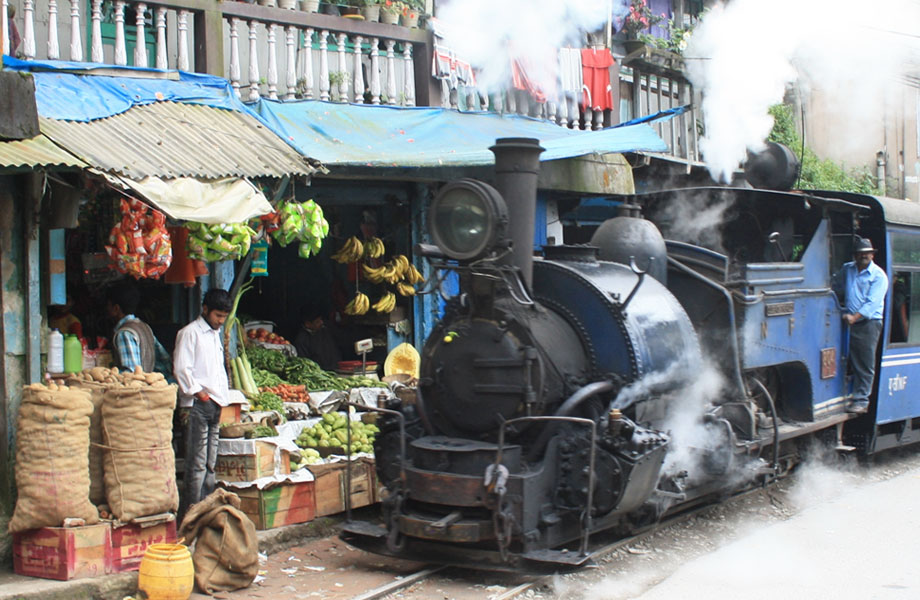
column 283, row 504
column 249, row 467
column 331, row 482
column 129, row 542
column 64, row 553
column 231, row 413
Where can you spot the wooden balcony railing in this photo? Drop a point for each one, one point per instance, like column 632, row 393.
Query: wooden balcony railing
column 321, row 56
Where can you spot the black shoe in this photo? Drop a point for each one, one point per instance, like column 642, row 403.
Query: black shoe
column 858, row 407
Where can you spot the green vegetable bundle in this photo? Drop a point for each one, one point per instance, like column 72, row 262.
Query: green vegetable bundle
column 262, row 431
column 264, row 378
column 212, row 243
column 269, row 401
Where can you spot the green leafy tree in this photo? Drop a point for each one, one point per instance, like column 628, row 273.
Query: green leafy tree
column 817, row 174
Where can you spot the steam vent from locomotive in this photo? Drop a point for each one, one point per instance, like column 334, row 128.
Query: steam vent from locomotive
column 527, row 436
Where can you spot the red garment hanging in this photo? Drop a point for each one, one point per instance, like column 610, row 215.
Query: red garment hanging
column 595, row 68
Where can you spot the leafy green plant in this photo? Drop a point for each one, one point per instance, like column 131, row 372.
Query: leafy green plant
column 337, row 78
column 817, row 174
column 677, row 41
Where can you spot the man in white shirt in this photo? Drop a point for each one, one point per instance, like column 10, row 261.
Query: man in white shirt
column 198, row 364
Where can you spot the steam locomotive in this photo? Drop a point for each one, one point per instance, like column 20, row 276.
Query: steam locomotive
column 603, row 386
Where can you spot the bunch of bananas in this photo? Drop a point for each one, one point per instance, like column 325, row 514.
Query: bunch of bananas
column 388, row 272
column 358, row 305
column 374, row 248
column 397, row 269
column 386, row 303
column 351, row 252
column 405, row 289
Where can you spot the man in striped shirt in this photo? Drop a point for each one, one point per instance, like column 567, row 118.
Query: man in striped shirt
column 133, row 343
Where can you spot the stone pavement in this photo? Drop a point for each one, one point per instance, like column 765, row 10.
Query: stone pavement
column 273, row 544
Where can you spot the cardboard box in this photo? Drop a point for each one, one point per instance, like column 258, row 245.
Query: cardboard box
column 283, row 504
column 129, row 542
column 231, row 414
column 331, row 481
column 250, row 460
column 64, row 553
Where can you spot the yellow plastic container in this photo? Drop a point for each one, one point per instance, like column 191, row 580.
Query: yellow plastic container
column 166, row 573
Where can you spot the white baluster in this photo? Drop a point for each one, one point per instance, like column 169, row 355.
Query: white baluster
column 272, row 63
column 4, row 23
column 182, row 25
column 598, row 120
column 563, row 112
column 499, row 103
column 140, row 47
column 391, row 73
column 253, row 63
column 76, row 40
column 375, row 71
column 307, row 64
column 235, row 55
column 121, row 53
column 551, row 109
column 341, row 39
column 54, row 49
column 409, row 84
column 28, row 32
column 290, row 31
column 483, row 100
column 445, row 93
column 97, row 31
column 323, row 66
column 359, row 72
column 510, row 101
column 162, row 62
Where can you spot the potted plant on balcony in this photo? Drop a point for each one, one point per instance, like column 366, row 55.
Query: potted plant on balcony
column 639, row 20
column 351, row 8
column 371, row 10
column 309, row 5
column 412, row 10
column 390, row 11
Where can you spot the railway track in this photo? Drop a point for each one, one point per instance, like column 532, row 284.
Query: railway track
column 525, row 583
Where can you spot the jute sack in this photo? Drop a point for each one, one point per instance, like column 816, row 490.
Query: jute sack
column 226, row 546
column 140, row 466
column 96, row 471
column 52, row 456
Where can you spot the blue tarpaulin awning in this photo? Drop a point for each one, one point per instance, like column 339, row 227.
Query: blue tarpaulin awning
column 386, row 136
column 333, row 133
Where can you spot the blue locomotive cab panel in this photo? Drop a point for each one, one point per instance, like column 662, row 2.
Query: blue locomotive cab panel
column 898, row 375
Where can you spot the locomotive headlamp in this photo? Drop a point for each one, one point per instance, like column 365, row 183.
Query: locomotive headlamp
column 467, row 219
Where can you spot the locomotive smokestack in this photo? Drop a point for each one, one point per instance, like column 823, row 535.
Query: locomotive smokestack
column 517, row 165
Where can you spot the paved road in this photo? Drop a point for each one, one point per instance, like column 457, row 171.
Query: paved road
column 861, row 544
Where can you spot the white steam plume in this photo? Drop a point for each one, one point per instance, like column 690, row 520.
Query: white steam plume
column 744, row 54
column 490, row 33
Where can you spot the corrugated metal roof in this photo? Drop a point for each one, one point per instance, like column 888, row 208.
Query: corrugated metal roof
column 38, row 151
column 169, row 139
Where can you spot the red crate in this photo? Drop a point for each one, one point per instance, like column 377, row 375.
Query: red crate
column 129, row 542
column 64, row 553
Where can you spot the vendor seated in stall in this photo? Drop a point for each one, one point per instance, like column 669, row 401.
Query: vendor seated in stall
column 316, row 340
column 62, row 319
column 133, row 340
